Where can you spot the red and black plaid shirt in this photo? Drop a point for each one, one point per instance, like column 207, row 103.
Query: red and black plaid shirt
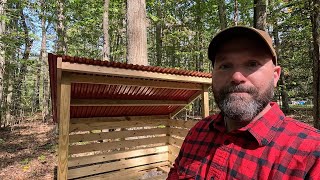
column 272, row 147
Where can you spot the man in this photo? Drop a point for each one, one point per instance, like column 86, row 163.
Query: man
column 251, row 138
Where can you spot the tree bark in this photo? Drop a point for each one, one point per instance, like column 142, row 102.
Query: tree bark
column 159, row 34
column 315, row 19
column 23, row 66
column 61, row 44
column 2, row 53
column 236, row 13
column 282, row 83
column 222, row 14
column 43, row 60
column 260, row 14
column 106, row 47
column 136, row 32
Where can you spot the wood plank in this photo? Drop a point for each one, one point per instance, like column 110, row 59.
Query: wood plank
column 183, row 124
column 191, row 99
column 171, row 158
column 161, row 177
column 111, row 71
column 205, row 101
column 123, row 174
column 175, row 141
column 177, row 132
column 95, row 79
column 117, row 124
column 165, row 169
column 122, row 118
column 109, row 102
column 117, row 134
column 116, row 144
column 64, row 128
column 84, row 171
column 174, row 150
column 76, row 161
column 59, row 74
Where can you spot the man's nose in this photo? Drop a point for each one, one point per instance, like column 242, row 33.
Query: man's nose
column 238, row 77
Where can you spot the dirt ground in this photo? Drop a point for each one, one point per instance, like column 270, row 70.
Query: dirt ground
column 28, row 151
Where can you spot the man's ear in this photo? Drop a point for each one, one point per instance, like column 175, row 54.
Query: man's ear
column 276, row 75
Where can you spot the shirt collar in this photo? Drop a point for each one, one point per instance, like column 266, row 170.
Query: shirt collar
column 263, row 129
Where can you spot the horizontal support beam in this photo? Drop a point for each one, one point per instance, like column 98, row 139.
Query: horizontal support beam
column 107, row 102
column 100, row 70
column 95, row 79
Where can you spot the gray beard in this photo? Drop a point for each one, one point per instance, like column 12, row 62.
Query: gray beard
column 243, row 108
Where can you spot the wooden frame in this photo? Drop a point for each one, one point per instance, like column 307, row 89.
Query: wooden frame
column 162, row 136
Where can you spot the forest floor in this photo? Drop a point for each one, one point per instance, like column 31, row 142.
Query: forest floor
column 28, row 151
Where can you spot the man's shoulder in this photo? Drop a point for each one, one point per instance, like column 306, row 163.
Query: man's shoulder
column 295, row 125
column 307, row 134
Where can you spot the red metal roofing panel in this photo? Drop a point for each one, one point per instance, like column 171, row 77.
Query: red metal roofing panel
column 114, row 111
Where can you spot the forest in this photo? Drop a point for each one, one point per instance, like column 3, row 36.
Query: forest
column 176, row 34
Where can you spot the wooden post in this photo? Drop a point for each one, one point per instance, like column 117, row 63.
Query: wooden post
column 64, row 118
column 205, row 101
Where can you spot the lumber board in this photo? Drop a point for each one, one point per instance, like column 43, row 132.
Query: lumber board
column 117, row 124
column 111, row 71
column 76, row 149
column 112, row 80
column 64, row 122
column 205, row 101
column 177, row 132
column 76, row 161
column 183, row 124
column 174, row 150
column 124, row 174
column 117, row 134
column 179, row 109
column 175, row 141
column 111, row 102
column 171, row 158
column 122, row 118
column 100, row 168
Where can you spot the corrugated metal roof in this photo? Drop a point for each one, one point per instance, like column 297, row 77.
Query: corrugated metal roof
column 81, row 60
column 118, row 91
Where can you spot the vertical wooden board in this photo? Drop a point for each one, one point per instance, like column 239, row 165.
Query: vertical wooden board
column 64, row 129
column 205, row 101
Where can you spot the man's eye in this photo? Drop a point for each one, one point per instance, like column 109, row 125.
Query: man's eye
column 253, row 64
column 224, row 66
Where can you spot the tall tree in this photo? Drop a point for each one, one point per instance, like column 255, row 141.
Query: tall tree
column 43, row 60
column 315, row 18
column 260, row 14
column 222, row 14
column 61, row 31
column 106, row 47
column 136, row 32
column 2, row 52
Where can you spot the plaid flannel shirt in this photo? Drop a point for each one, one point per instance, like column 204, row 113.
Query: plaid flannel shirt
column 272, row 147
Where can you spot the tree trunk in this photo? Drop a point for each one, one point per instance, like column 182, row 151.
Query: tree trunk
column 43, row 60
column 315, row 19
column 260, row 14
column 159, row 35
column 2, row 53
column 137, row 32
column 9, row 118
column 236, row 13
column 61, row 44
column 23, row 66
column 106, row 47
column 282, row 83
column 222, row 14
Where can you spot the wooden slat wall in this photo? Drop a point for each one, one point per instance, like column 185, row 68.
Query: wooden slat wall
column 178, row 129
column 133, row 143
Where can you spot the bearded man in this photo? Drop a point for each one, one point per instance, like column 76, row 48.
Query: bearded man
column 251, row 138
